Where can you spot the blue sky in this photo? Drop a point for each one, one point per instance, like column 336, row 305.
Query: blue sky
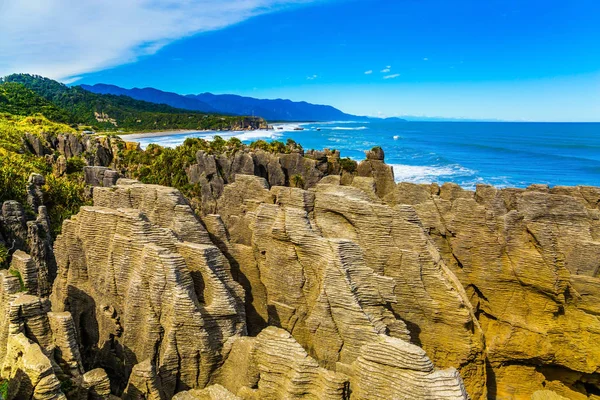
column 510, row 60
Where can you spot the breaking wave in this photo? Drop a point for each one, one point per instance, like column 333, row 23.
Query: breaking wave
column 428, row 174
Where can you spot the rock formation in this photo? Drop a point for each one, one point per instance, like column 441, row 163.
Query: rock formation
column 96, row 150
column 303, row 279
column 528, row 260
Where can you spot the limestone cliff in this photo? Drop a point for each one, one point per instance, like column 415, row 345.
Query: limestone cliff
column 528, row 260
column 347, row 286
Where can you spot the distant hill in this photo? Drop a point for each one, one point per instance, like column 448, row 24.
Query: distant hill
column 153, row 96
column 272, row 110
column 107, row 111
column 16, row 99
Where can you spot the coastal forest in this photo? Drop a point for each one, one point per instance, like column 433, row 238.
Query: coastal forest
column 24, row 94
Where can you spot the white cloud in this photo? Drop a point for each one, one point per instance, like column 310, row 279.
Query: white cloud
column 65, row 38
column 312, row 78
column 369, row 72
column 389, row 67
column 385, row 70
column 391, row 76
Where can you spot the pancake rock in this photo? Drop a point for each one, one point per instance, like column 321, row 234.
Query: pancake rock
column 33, row 241
column 146, row 287
column 304, row 280
column 528, row 260
column 350, row 268
column 29, row 371
column 213, row 392
column 26, row 344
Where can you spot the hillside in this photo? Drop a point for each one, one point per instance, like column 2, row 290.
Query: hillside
column 154, row 96
column 272, row 110
column 16, row 99
column 112, row 112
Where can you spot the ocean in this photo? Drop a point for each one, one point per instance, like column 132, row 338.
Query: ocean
column 467, row 153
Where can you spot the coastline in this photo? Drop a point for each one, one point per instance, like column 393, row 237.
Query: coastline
column 127, row 136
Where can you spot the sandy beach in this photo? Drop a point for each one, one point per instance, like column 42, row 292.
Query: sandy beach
column 133, row 136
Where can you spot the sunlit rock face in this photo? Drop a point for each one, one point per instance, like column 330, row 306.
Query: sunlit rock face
column 529, row 262
column 338, row 268
column 351, row 289
column 145, row 284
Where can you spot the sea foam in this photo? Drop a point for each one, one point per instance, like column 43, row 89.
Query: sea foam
column 428, row 174
column 345, row 128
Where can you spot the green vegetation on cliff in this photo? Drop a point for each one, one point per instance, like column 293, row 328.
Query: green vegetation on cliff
column 167, row 166
column 28, row 94
column 63, row 195
column 35, row 111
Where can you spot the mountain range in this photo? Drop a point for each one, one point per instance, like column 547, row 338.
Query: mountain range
column 271, row 110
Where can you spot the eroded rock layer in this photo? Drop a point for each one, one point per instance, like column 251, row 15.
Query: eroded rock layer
column 528, row 259
column 138, row 292
column 347, row 287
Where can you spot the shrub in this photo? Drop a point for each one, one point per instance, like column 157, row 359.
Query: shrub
column 17, row 274
column 348, row 164
column 259, row 144
column 4, row 256
column 297, row 181
column 277, row 147
column 75, row 164
column 235, row 143
column 217, row 145
column 64, row 196
column 4, row 389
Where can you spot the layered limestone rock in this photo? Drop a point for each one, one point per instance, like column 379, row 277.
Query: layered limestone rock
column 528, row 260
column 274, row 366
column 398, row 369
column 350, row 268
column 280, row 368
column 337, row 289
column 155, row 302
column 97, row 384
column 66, row 348
column 213, row 392
column 29, row 371
column 164, row 207
column 100, row 176
column 144, row 282
column 295, row 168
column 35, row 195
column 13, row 226
column 26, row 344
column 32, row 239
column 96, row 150
column 375, row 167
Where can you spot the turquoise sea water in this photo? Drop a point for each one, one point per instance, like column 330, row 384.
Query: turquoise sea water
column 468, row 153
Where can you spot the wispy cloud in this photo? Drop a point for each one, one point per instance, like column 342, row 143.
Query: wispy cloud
column 62, row 39
column 426, row 59
column 312, row 77
column 369, row 72
column 386, row 70
column 394, row 76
